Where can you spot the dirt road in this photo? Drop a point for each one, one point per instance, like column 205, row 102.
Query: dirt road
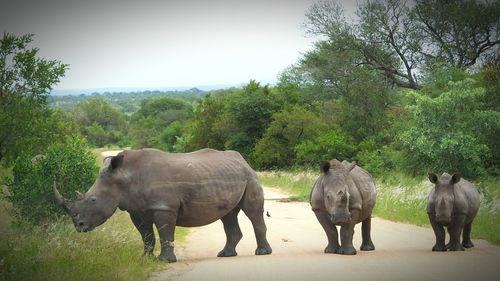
column 403, row 252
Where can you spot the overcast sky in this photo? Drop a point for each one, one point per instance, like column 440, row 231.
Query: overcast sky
column 182, row 43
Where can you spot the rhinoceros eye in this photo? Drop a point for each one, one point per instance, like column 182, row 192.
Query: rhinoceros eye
column 93, row 199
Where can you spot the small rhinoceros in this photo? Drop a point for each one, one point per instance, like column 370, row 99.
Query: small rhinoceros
column 344, row 195
column 453, row 202
column 169, row 189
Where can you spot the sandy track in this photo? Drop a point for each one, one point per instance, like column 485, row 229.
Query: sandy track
column 403, row 252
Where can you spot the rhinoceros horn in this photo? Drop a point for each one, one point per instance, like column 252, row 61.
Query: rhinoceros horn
column 60, row 200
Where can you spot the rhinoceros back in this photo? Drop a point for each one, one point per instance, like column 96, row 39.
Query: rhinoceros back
column 203, row 185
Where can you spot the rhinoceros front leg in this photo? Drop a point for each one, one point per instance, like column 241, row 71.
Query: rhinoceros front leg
column 330, row 231
column 439, row 233
column 145, row 227
column 233, row 233
column 455, row 229
column 165, row 224
column 346, row 234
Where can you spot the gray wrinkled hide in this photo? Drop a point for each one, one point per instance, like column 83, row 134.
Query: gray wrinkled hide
column 169, row 189
column 362, row 194
column 453, row 202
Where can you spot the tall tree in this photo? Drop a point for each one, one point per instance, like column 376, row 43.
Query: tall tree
column 398, row 41
column 25, row 83
column 460, row 32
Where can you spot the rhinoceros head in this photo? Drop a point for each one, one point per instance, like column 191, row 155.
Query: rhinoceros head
column 94, row 207
column 336, row 183
column 444, row 195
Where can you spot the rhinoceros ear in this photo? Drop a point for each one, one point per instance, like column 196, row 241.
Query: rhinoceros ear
column 79, row 195
column 325, row 166
column 455, row 178
column 116, row 161
column 432, row 177
column 351, row 166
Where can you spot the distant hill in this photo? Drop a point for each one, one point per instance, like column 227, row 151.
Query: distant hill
column 77, row 92
column 127, row 102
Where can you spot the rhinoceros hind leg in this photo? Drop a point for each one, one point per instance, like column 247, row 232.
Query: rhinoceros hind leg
column 466, row 242
column 367, row 244
column 252, row 204
column 233, row 233
column 260, row 229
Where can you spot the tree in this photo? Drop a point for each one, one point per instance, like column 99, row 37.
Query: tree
column 153, row 117
column 398, row 41
column 325, row 146
column 460, row 32
column 100, row 122
column 207, row 114
column 447, row 130
column 276, row 149
column 25, row 83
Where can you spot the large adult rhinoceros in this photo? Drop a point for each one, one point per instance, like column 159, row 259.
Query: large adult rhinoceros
column 169, row 189
column 344, row 195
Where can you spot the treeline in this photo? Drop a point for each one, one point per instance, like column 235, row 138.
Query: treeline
column 126, row 102
column 402, row 87
column 399, row 87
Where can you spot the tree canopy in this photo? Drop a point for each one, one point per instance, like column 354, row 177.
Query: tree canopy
column 25, row 83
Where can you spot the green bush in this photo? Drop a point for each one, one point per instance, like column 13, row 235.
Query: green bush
column 328, row 145
column 70, row 164
column 445, row 135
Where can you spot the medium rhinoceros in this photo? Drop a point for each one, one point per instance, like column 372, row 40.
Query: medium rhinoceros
column 169, row 189
column 453, row 202
column 344, row 195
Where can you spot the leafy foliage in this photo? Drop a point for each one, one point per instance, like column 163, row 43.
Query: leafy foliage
column 398, row 41
column 100, row 122
column 153, row 117
column 288, row 128
column 326, row 146
column 70, row 164
column 446, row 128
column 25, row 83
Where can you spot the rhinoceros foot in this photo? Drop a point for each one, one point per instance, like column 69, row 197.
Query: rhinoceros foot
column 168, row 258
column 332, row 249
column 455, row 247
column 439, row 248
column 263, row 250
column 347, row 250
column 367, row 247
column 227, row 253
column 468, row 244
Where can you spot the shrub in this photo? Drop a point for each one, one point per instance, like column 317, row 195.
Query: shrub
column 70, row 164
column 328, row 145
column 445, row 135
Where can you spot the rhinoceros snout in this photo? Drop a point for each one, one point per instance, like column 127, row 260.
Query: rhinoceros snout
column 338, row 219
column 82, row 226
column 443, row 219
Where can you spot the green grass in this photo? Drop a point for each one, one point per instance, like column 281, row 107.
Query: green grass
column 297, row 184
column 57, row 251
column 402, row 198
